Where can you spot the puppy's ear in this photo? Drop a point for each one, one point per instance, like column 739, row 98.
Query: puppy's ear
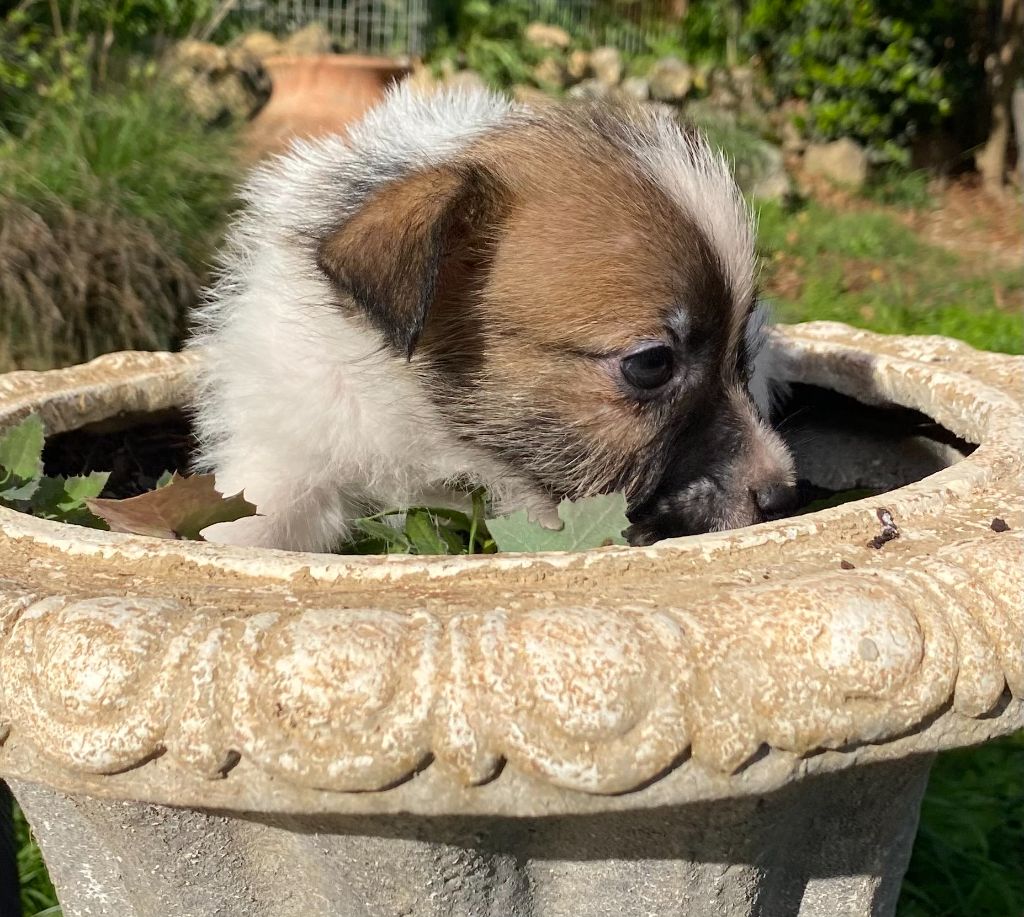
column 388, row 256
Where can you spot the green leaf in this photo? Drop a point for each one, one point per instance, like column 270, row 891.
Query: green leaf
column 588, row 523
column 181, row 509
column 15, row 491
column 84, row 487
column 478, row 532
column 21, row 453
column 164, row 479
column 393, row 541
column 421, row 530
column 64, row 499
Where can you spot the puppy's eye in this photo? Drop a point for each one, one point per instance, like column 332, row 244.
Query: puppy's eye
column 649, row 368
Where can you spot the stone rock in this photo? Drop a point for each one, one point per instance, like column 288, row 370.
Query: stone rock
column 549, row 37
column 259, row 44
column 721, row 93
column 590, row 89
column 759, row 166
column 530, row 95
column 551, row 72
column 843, row 161
column 670, row 80
column 636, row 87
column 793, row 139
column 577, row 64
column 771, row 181
column 743, row 81
column 222, row 85
column 311, row 39
column 469, row 80
column 198, row 56
column 606, row 66
column 422, row 80
column 663, row 109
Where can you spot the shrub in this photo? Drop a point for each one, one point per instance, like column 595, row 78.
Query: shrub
column 488, row 37
column 136, row 150
column 51, row 51
column 74, row 285
column 112, row 206
column 875, row 70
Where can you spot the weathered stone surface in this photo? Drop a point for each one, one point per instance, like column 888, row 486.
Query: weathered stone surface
column 220, row 84
column 577, row 64
column 549, row 37
column 636, row 87
column 606, row 65
column 259, row 44
column 843, row 161
column 531, row 95
column 670, row 80
column 590, row 89
column 422, row 80
column 369, row 709
column 469, row 80
column 832, row 845
column 768, row 179
column 551, row 72
column 311, row 39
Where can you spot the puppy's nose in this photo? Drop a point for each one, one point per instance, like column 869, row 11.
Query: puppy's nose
column 775, row 500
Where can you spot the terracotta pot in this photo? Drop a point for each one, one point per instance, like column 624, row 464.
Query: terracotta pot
column 737, row 723
column 319, row 94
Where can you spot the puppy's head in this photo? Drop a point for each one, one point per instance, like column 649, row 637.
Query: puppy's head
column 575, row 290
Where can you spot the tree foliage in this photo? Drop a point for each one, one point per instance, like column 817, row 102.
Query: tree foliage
column 881, row 71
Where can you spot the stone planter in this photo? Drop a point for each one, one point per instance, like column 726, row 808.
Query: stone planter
column 319, row 94
column 736, row 723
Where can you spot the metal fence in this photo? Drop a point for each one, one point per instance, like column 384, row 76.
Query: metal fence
column 402, row 26
column 629, row 25
column 366, row 26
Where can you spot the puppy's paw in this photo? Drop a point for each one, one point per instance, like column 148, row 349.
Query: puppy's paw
column 251, row 532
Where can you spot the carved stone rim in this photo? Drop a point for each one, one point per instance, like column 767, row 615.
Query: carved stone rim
column 204, row 675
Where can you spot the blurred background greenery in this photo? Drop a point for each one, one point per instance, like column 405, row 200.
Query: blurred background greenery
column 117, row 177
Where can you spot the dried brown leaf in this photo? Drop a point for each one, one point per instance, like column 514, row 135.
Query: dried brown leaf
column 180, row 509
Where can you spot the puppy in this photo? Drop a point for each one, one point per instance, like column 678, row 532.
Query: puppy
column 461, row 291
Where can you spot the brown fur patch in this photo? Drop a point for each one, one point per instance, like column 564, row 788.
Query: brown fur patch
column 587, row 257
column 387, row 257
column 525, row 269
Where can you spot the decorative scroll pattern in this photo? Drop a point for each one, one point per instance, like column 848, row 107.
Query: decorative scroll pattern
column 591, row 700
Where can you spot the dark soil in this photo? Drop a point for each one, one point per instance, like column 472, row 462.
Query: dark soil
column 135, row 450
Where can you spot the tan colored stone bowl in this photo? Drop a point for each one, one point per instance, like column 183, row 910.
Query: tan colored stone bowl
column 735, row 723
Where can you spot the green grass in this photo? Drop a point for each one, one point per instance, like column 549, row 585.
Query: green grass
column 135, row 150
column 899, row 187
column 111, row 207
column 867, row 269
column 969, row 854
column 38, row 898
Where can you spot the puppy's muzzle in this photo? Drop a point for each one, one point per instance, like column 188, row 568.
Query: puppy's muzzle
column 708, row 505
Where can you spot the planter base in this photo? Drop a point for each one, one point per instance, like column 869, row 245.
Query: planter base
column 829, row 846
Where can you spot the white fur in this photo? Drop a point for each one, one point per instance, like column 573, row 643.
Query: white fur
column 305, row 409
column 700, row 180
column 301, row 407
column 767, row 390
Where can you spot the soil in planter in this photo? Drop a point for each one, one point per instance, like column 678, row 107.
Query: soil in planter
column 844, row 450
column 135, row 448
